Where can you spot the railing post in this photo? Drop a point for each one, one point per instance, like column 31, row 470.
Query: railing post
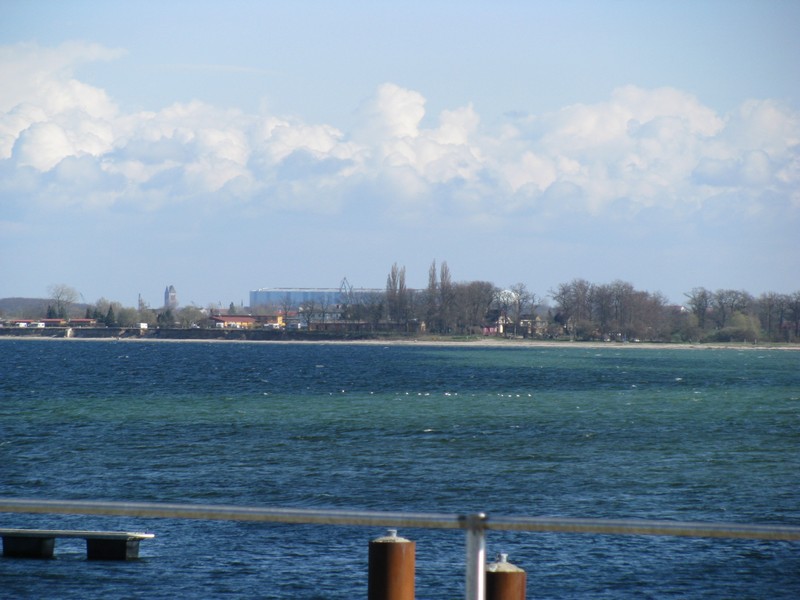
column 476, row 556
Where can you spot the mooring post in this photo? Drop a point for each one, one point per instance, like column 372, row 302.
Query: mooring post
column 391, row 568
column 476, row 556
column 504, row 581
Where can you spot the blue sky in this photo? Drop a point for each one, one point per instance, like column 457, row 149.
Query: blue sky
column 223, row 147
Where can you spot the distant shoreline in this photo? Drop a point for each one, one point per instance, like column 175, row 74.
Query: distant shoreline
column 488, row 342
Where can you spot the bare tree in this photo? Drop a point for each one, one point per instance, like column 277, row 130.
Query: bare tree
column 782, row 307
column 604, row 309
column 769, row 306
column 324, row 308
column 520, row 302
column 348, row 304
column 403, row 298
column 145, row 313
column 623, row 298
column 446, row 299
column 432, row 299
column 727, row 302
column 473, row 301
column 397, row 296
column 373, row 307
column 574, row 309
column 286, row 306
column 648, row 318
column 63, row 297
column 699, row 303
column 308, row 312
column 793, row 307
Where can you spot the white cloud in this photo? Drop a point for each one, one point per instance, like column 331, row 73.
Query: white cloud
column 392, row 141
column 42, row 146
column 532, row 169
column 635, row 145
column 394, row 112
column 44, row 76
column 278, row 138
column 659, row 147
column 40, row 93
column 764, row 125
column 14, row 122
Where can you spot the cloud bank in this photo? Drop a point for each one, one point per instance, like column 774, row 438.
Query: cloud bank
column 65, row 143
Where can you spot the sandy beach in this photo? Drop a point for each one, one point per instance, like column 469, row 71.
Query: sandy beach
column 477, row 342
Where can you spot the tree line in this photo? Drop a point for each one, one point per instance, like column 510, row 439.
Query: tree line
column 580, row 310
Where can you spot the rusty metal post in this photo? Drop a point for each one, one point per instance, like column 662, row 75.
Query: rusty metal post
column 391, row 568
column 504, row 581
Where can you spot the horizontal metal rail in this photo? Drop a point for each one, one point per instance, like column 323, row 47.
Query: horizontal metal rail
column 402, row 519
column 475, row 524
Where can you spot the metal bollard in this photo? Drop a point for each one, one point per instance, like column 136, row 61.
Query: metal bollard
column 391, row 568
column 504, row 581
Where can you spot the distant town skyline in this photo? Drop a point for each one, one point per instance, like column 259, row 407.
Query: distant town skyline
column 294, row 144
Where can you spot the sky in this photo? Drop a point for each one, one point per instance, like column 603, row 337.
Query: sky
column 225, row 147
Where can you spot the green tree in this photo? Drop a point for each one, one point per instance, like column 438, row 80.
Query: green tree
column 166, row 318
column 127, row 317
column 110, row 319
column 683, row 326
column 727, row 302
column 189, row 316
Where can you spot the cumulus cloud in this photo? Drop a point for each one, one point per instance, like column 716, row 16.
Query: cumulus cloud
column 640, row 145
column 42, row 146
column 44, row 76
column 640, row 148
column 53, row 114
column 393, row 113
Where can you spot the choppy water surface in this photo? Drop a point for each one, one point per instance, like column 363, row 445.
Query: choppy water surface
column 617, row 432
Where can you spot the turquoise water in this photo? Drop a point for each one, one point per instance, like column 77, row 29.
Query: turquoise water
column 617, row 432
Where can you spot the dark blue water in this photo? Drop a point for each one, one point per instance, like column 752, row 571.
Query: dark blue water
column 619, row 432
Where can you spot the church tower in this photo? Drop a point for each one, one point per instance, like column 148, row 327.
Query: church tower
column 170, row 298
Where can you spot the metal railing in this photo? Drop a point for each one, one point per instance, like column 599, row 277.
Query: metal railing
column 476, row 524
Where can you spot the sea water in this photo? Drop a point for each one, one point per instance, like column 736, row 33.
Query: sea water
column 609, row 432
